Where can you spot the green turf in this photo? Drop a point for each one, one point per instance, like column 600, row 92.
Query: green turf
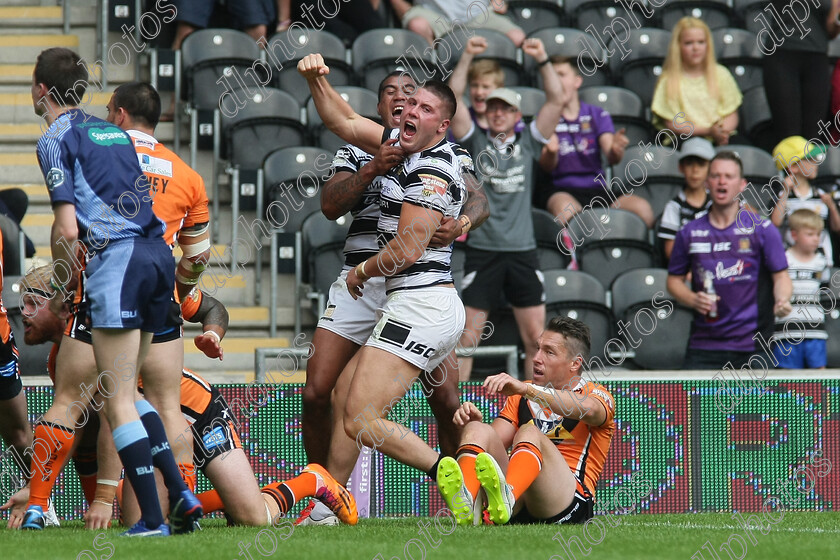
column 797, row 536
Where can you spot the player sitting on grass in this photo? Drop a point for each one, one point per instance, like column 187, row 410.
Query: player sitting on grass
column 560, row 427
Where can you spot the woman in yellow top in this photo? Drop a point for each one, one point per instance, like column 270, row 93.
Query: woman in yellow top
column 693, row 83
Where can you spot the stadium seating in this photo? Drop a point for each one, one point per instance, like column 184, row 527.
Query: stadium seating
column 755, row 119
column 499, row 47
column 601, row 15
column 546, row 232
column 287, row 47
column 575, row 44
column 532, row 15
column 715, row 13
column 636, row 63
column 657, row 170
column 737, row 49
column 610, row 242
column 581, row 296
column 624, row 106
column 266, row 122
column 378, row 52
column 531, row 101
column 207, row 56
column 829, row 171
column 832, row 319
column 293, row 179
column 14, row 252
column 362, row 100
column 747, row 11
column 657, row 326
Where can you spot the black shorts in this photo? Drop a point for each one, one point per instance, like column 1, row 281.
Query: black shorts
column 78, row 326
column 580, row 510
column 214, row 433
column 489, row 274
column 10, row 383
column 241, row 13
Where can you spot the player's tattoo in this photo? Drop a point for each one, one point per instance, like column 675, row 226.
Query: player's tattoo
column 475, row 207
column 345, row 193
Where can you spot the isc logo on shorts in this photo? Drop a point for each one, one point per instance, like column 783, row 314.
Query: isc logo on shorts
column 419, row 349
column 128, row 314
column 214, row 438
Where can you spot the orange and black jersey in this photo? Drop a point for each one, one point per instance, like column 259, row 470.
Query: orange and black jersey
column 196, row 395
column 178, row 194
column 5, row 328
column 583, row 446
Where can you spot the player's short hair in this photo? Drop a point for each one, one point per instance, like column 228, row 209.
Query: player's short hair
column 140, row 100
column 805, row 218
column 37, row 281
column 728, row 155
column 560, row 59
column 60, row 70
column 486, row 67
column 575, row 334
column 404, row 78
column 444, row 93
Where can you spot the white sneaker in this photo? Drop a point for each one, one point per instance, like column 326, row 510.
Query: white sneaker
column 499, row 493
column 50, row 518
column 316, row 513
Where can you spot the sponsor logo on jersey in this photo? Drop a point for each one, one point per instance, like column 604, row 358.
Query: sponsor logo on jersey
column 722, row 272
column 432, row 185
column 699, row 233
column 108, row 136
column 700, row 248
column 55, row 178
column 155, row 166
column 214, row 438
column 722, row 246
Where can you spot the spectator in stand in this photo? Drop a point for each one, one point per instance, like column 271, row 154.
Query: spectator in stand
column 435, row 18
column 483, row 76
column 734, row 257
column 251, row 16
column 693, row 201
column 796, row 83
column 808, row 268
column 799, row 158
column 352, row 18
column 695, row 95
column 583, row 134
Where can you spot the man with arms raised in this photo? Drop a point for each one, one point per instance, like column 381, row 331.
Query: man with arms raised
column 560, row 440
column 423, row 317
column 347, row 323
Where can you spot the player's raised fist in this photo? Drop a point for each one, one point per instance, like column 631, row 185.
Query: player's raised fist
column 476, row 45
column 312, row 65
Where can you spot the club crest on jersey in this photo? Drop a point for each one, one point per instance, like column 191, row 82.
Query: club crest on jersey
column 55, row 178
column 744, row 245
column 432, row 185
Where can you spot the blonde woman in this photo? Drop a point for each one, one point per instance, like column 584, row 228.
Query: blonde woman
column 693, row 83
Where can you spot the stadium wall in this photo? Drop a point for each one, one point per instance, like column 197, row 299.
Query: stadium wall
column 699, row 452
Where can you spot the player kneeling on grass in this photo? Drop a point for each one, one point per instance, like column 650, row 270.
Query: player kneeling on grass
column 560, row 440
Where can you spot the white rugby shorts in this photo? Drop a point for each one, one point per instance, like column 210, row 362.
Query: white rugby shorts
column 350, row 318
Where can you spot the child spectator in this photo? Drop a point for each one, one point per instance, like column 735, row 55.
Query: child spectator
column 693, row 201
column 693, row 83
column 808, row 268
column 799, row 158
column 583, row 134
column 483, row 76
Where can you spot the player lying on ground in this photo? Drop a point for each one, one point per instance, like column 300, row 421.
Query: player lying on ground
column 560, row 427
column 223, row 462
column 347, row 323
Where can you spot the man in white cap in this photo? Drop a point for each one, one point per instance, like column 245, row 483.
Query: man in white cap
column 502, row 256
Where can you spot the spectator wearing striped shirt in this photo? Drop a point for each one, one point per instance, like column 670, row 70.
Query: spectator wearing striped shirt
column 693, row 201
column 799, row 159
column 800, row 336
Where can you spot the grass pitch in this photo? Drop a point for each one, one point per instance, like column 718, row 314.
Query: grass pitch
column 667, row 537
